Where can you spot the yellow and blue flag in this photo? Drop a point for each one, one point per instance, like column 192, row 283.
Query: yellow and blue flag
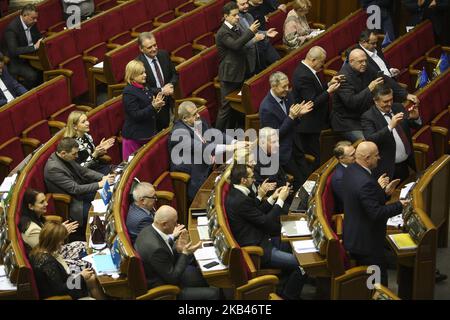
column 386, row 41
column 422, row 79
column 442, row 65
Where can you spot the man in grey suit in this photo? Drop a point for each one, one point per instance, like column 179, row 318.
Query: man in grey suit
column 233, row 66
column 166, row 262
column 62, row 174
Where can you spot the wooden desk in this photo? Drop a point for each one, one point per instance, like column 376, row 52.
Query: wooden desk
column 293, row 217
column 236, row 101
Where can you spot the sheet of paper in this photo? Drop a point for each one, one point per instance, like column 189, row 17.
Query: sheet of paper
column 203, row 232
column 395, row 221
column 99, row 65
column 309, row 185
column 205, row 253
column 220, row 266
column 8, row 183
column 99, row 206
column 202, row 221
column 405, row 190
column 2, row 271
column 304, row 246
column 6, row 285
column 295, row 228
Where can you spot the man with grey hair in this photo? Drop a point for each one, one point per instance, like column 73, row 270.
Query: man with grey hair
column 161, row 74
column 188, row 141
column 354, row 97
column 278, row 111
column 308, row 86
column 167, row 262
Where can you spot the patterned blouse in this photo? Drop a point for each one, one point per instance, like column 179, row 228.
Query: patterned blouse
column 86, row 149
column 296, row 30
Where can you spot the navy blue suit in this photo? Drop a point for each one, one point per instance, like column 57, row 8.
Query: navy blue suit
column 336, row 184
column 140, row 116
column 137, row 219
column 366, row 215
column 15, row 88
column 291, row 156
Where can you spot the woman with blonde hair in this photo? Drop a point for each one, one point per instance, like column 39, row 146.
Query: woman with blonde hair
column 89, row 155
column 296, row 29
column 51, row 271
column 141, row 107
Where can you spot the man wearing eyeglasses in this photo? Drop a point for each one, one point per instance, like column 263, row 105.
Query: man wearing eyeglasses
column 142, row 211
column 376, row 61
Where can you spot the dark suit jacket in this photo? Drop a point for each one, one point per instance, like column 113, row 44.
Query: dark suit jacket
column 336, row 184
column 306, row 87
column 375, row 129
column 167, row 67
column 271, row 115
column 16, row 40
column 160, row 264
column 140, row 116
column 184, row 143
column 232, row 53
column 137, row 219
column 59, row 179
column 251, row 221
column 366, row 213
column 371, row 63
column 279, row 177
column 15, row 88
column 354, row 98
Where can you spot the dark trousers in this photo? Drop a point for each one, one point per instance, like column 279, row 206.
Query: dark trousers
column 267, row 55
column 401, row 171
column 163, row 116
column 194, row 286
column 32, row 77
column 364, row 260
column 226, row 118
column 310, row 144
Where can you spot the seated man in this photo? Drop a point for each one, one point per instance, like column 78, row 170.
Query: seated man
column 194, row 147
column 62, row 174
column 345, row 153
column 253, row 222
column 166, row 262
column 142, row 211
column 23, row 37
column 10, row 88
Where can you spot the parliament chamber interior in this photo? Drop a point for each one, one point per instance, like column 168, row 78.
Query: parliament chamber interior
column 195, row 212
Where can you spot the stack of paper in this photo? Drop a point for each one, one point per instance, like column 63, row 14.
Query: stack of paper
column 304, row 246
column 99, row 206
column 405, row 190
column 403, row 241
column 295, row 228
column 396, row 221
column 205, row 253
column 103, row 264
column 8, row 183
column 5, row 284
column 202, row 221
column 203, row 232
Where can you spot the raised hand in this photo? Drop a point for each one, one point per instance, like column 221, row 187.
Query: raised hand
column 255, row 26
column 70, row 226
column 383, row 180
column 396, row 119
column 158, row 101
column 375, row 82
column 333, row 87
column 391, row 186
column 177, row 230
column 272, row 32
column 190, row 248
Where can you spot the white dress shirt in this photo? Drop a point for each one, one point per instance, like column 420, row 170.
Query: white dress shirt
column 400, row 151
column 165, row 237
column 9, row 97
column 374, row 55
column 27, row 33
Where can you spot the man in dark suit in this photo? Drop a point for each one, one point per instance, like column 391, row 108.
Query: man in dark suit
column 354, row 97
column 388, row 125
column 376, row 61
column 194, row 147
column 23, row 37
column 10, row 88
column 345, row 153
column 278, row 111
column 307, row 86
column 233, row 66
column 253, row 222
column 366, row 211
column 62, row 174
column 166, row 262
column 161, row 75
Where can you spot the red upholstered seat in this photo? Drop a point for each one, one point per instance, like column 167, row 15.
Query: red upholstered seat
column 194, row 25
column 116, row 30
column 50, row 16
column 79, row 80
column 327, row 43
column 425, row 38
column 183, row 6
column 12, row 148
column 116, row 62
column 28, row 107
column 443, row 85
column 39, row 131
column 6, row 124
column 103, row 5
column 225, row 191
column 135, row 9
column 424, row 136
column 276, row 20
column 60, row 48
column 342, row 38
column 100, row 128
column 192, row 76
column 54, row 98
column 213, row 15
column 89, row 36
column 257, row 91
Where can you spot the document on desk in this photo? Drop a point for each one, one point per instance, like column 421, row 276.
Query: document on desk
column 203, row 232
column 6, row 285
column 202, row 221
column 205, row 253
column 209, row 262
column 304, row 246
column 405, row 190
column 8, row 183
column 396, row 221
column 295, row 228
column 103, row 264
column 99, row 206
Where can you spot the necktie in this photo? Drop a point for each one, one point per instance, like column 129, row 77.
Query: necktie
column 158, row 72
column 237, row 30
column 199, row 134
column 171, row 242
column 401, row 134
column 28, row 35
column 283, row 106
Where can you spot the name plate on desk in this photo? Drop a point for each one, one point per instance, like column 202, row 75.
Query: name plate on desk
column 198, row 212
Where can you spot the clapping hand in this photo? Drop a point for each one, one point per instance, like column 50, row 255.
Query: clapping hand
column 158, row 101
column 255, row 25
column 383, row 181
column 271, row 33
column 265, row 187
column 391, row 186
column 177, row 230
column 70, row 226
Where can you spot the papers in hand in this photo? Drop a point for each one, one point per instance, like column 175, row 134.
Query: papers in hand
column 295, row 228
column 316, row 32
column 8, row 183
column 304, row 246
column 405, row 190
column 403, row 241
column 206, row 253
column 396, row 221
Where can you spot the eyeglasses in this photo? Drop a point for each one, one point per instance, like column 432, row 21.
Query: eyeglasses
column 151, row 198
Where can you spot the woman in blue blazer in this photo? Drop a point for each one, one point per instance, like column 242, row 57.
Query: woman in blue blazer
column 141, row 107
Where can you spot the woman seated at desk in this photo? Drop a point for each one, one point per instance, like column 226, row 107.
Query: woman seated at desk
column 34, row 208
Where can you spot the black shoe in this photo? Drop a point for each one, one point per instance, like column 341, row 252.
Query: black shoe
column 439, row 277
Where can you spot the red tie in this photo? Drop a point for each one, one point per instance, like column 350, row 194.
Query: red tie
column 158, row 73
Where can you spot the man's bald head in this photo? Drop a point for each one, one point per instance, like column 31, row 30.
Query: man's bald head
column 315, row 58
column 367, row 154
column 166, row 219
column 358, row 60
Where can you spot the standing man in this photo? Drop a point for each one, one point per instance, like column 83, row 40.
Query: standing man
column 10, row 88
column 233, row 66
column 366, row 211
column 307, row 86
column 161, row 75
column 345, row 153
column 387, row 124
column 278, row 111
column 23, row 37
